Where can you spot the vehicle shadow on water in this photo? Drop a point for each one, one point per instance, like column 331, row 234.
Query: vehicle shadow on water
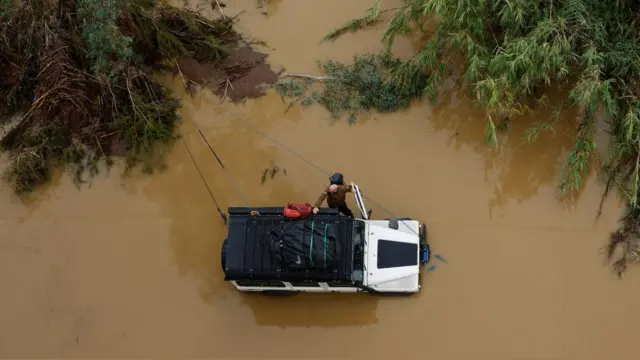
column 313, row 310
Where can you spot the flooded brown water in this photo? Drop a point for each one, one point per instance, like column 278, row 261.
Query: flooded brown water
column 131, row 268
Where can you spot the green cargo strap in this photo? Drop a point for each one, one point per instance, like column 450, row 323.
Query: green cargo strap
column 325, row 245
column 313, row 223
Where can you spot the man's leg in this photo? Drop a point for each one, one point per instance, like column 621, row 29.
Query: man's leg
column 344, row 209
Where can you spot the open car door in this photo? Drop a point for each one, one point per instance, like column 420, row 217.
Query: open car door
column 358, row 195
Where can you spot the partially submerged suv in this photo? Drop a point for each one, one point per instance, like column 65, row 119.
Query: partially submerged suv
column 327, row 252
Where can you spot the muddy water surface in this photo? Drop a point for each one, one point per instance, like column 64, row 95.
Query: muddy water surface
column 131, row 268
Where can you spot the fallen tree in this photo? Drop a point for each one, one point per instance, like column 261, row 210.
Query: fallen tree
column 75, row 80
column 513, row 50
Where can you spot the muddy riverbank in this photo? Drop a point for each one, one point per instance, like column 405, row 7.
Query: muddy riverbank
column 139, row 275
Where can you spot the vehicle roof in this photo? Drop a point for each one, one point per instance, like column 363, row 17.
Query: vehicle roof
column 251, row 256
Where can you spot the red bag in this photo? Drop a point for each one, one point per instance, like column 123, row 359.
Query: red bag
column 298, row 211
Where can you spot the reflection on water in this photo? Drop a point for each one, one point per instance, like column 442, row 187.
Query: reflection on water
column 268, row 7
column 515, row 169
column 313, row 310
column 131, row 268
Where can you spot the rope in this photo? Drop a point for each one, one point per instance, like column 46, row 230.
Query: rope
column 210, row 148
column 277, row 142
column 307, row 161
column 222, row 214
column 229, row 177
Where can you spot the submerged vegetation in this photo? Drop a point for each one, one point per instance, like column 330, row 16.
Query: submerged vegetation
column 512, row 51
column 75, row 80
column 362, row 86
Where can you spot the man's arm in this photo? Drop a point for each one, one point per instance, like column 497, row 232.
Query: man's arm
column 320, row 199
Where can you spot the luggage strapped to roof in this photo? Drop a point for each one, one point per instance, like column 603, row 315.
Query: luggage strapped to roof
column 319, row 250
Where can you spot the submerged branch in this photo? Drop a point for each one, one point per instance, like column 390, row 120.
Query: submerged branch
column 371, row 19
column 220, row 9
column 310, row 77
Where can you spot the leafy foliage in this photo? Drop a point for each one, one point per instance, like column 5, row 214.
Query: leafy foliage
column 363, row 85
column 74, row 79
column 100, row 33
column 6, row 7
column 168, row 32
column 513, row 49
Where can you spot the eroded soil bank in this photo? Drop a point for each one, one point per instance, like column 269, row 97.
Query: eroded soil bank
column 139, row 275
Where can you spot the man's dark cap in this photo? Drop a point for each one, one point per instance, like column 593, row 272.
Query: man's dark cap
column 336, row 179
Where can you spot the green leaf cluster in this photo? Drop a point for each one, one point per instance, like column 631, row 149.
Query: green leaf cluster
column 364, row 85
column 101, row 34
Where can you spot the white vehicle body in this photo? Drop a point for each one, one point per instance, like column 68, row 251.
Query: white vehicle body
column 392, row 251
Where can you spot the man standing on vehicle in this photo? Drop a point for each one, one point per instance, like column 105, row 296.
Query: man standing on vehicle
column 336, row 195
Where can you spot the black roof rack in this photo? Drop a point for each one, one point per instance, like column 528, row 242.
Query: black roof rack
column 251, row 255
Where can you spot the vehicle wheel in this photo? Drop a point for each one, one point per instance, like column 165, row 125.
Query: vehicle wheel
column 424, row 233
column 279, row 293
column 223, row 254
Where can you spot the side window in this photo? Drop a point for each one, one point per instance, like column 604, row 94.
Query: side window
column 305, row 283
